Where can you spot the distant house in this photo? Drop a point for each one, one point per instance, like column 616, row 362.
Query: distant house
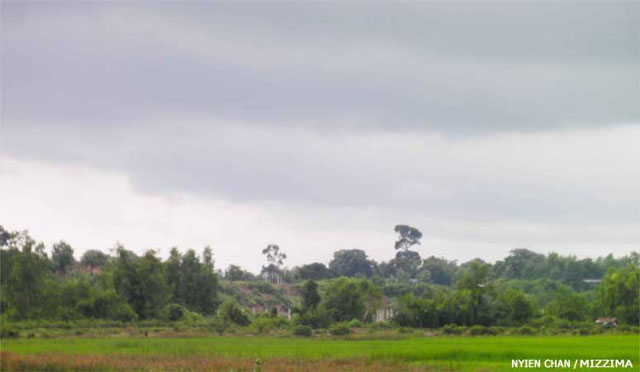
column 385, row 312
column 608, row 322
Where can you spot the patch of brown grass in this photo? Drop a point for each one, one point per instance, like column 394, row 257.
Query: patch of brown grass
column 11, row 362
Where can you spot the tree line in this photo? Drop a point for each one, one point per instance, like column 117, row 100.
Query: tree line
column 522, row 288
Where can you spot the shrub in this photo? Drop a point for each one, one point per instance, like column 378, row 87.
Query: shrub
column 584, row 332
column 624, row 328
column 355, row 323
column 263, row 287
column 495, row 331
column 451, row 329
column 124, row 313
column 478, row 330
column 563, row 324
column 545, row 321
column 314, row 319
column 405, row 330
column 9, row 333
column 339, row 329
column 303, row 331
column 525, row 330
column 231, row 312
column 174, row 312
column 263, row 324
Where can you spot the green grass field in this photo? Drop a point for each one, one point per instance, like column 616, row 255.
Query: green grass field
column 425, row 353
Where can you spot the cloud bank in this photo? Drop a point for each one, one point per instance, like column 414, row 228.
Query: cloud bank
column 487, row 125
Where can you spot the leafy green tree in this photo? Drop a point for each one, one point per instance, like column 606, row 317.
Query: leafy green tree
column 572, row 307
column 475, row 281
column 62, row 258
column 314, row 271
column 190, row 279
column 420, row 312
column 351, row 263
column 274, row 255
column 29, row 273
column 514, row 307
column 405, row 265
column 192, row 283
column 232, row 313
column 619, row 294
column 173, row 271
column 236, row 273
column 141, row 282
column 310, row 296
column 94, row 259
column 207, row 291
column 441, row 271
column 523, row 264
column 347, row 299
column 407, row 237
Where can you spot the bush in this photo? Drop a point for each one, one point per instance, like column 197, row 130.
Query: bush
column 263, row 287
column 451, row 329
column 545, row 321
column 584, row 332
column 8, row 333
column 525, row 330
column 303, row 331
column 355, row 323
column 339, row 329
column 314, row 319
column 263, row 324
column 478, row 330
column 124, row 313
column 625, row 328
column 174, row 312
column 495, row 331
column 562, row 324
column 231, row 312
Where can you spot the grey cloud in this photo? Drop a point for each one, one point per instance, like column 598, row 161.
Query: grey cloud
column 498, row 177
column 454, row 69
column 337, row 105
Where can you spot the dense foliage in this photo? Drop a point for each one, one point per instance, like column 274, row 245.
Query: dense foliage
column 526, row 288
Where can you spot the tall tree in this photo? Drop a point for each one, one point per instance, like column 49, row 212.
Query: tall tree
column 174, row 276
column 141, row 282
column 348, row 298
column 351, row 263
column 618, row 294
column 274, row 255
column 310, row 296
column 94, row 258
column 407, row 237
column 314, row 271
column 26, row 284
column 62, row 257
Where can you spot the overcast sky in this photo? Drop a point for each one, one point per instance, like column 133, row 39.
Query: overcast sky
column 489, row 126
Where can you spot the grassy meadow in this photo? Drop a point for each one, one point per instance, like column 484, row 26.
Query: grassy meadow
column 228, row 353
